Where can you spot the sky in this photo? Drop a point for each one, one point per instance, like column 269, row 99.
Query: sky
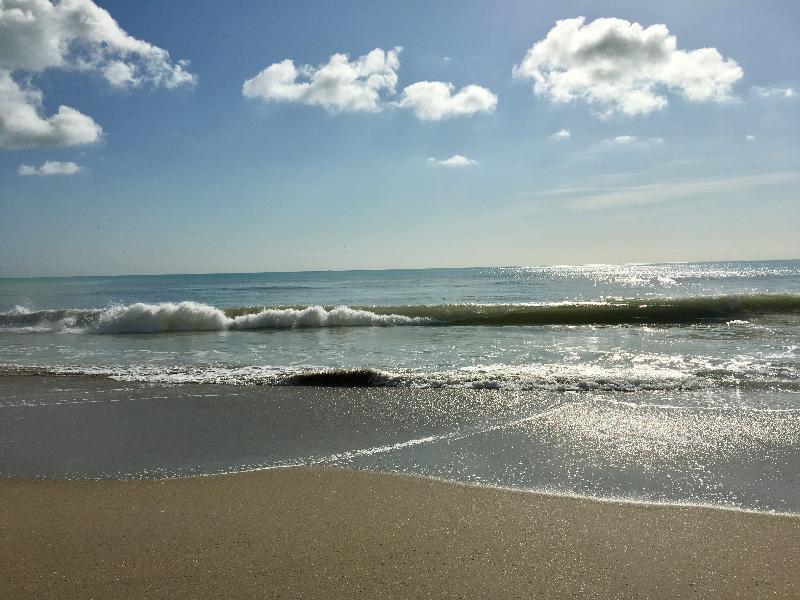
column 195, row 137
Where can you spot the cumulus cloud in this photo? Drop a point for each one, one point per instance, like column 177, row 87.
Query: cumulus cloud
column 363, row 85
column 50, row 167
column 435, row 100
column 73, row 35
column 560, row 135
column 621, row 67
column 339, row 85
column 79, row 35
column 455, row 161
column 22, row 125
column 776, row 92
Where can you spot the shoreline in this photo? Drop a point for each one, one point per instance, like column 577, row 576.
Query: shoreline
column 612, row 500
column 103, row 429
column 327, row 532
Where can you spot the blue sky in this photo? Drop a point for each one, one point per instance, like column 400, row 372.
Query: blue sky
column 190, row 175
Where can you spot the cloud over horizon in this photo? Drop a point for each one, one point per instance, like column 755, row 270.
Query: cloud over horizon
column 73, row 35
column 616, row 66
column 658, row 192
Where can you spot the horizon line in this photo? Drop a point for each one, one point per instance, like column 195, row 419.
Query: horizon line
column 356, row 270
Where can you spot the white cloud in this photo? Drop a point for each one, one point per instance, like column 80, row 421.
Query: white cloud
column 79, row 35
column 777, row 92
column 560, row 135
column 22, row 125
column 624, row 139
column 629, row 140
column 750, row 137
column 455, row 161
column 435, row 100
column 340, row 85
column 621, row 67
column 362, row 85
column 50, row 167
column 74, row 35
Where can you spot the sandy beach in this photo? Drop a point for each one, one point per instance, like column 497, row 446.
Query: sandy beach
column 330, row 533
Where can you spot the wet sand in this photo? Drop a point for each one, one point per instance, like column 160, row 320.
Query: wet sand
column 329, row 533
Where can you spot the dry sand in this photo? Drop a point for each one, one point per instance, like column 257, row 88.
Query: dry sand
column 325, row 533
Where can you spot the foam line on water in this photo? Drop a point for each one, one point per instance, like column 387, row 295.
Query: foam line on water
column 547, row 377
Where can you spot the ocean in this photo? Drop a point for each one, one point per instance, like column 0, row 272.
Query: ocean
column 671, row 382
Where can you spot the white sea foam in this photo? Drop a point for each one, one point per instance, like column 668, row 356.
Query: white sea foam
column 550, row 377
column 317, row 316
column 191, row 316
column 165, row 316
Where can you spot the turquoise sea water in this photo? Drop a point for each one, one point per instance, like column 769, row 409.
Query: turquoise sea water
column 626, row 327
column 675, row 382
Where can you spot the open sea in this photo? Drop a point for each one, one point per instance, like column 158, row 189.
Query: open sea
column 653, row 382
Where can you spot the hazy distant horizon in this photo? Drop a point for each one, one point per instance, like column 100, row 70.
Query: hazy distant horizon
column 434, row 268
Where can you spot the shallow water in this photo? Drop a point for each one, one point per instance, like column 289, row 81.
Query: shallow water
column 653, row 446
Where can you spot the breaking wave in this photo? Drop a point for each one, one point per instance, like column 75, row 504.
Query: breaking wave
column 194, row 316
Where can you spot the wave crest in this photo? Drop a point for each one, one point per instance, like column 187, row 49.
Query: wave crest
column 195, row 316
column 318, row 316
column 151, row 318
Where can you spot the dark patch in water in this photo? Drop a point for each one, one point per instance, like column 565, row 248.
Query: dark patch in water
column 338, row 378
